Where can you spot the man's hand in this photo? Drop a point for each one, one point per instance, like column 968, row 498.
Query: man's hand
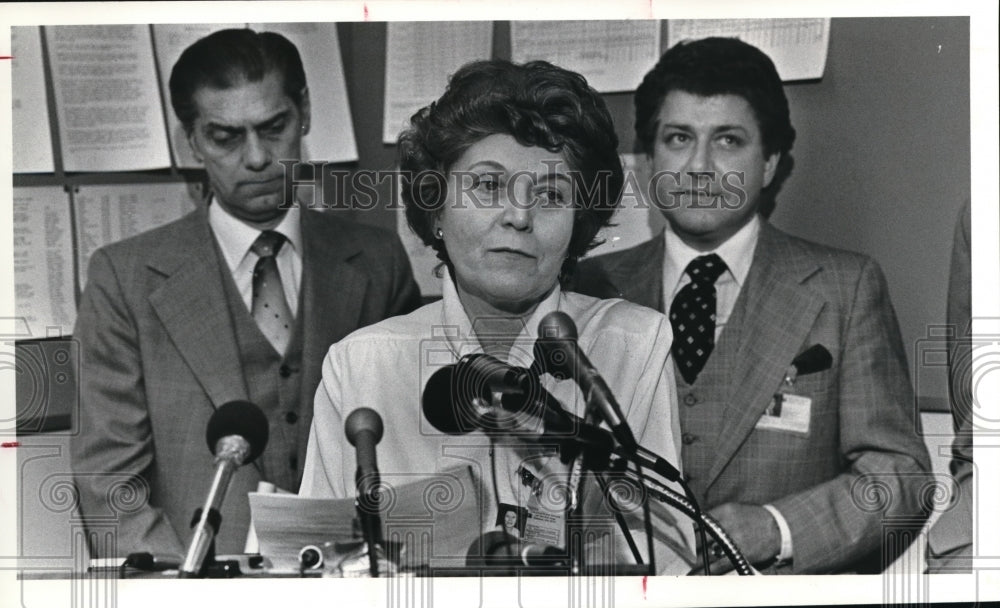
column 752, row 528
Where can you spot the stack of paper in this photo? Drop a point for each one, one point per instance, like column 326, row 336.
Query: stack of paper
column 435, row 517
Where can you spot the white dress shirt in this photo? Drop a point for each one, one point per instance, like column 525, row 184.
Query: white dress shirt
column 736, row 252
column 235, row 238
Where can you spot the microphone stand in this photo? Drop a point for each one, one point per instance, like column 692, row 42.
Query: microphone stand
column 608, row 459
column 575, row 513
column 597, row 460
column 367, row 507
column 582, row 446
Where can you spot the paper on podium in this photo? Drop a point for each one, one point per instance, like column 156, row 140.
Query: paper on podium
column 435, row 516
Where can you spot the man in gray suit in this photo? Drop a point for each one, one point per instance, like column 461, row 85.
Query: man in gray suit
column 798, row 425
column 239, row 300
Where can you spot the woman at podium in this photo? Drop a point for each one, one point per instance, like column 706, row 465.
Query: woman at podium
column 508, row 177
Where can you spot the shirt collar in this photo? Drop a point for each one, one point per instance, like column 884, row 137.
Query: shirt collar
column 736, row 252
column 236, row 237
column 463, row 341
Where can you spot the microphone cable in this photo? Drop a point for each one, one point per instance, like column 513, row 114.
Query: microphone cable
column 696, row 516
column 602, row 481
column 496, row 487
column 689, row 508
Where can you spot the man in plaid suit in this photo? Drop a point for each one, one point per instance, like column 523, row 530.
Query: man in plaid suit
column 798, row 427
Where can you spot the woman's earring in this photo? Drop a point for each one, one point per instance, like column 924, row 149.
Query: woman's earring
column 439, row 234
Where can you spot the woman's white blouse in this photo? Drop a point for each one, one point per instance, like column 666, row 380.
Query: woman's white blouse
column 386, row 366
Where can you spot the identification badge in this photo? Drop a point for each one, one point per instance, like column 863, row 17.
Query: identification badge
column 787, row 412
column 544, row 521
column 544, row 527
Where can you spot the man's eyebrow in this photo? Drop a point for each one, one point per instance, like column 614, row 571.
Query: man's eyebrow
column 730, row 128
column 687, row 127
column 216, row 126
column 261, row 125
column 280, row 116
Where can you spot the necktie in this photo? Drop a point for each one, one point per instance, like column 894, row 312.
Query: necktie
column 692, row 315
column 270, row 309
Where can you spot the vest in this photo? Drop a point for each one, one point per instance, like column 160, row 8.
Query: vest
column 702, row 408
column 273, row 384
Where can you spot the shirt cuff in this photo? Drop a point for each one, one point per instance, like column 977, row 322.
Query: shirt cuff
column 786, row 534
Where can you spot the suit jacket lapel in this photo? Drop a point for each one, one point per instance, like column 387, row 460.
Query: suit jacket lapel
column 191, row 304
column 333, row 293
column 778, row 316
column 638, row 276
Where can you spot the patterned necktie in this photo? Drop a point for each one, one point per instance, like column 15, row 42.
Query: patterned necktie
column 692, row 316
column 270, row 309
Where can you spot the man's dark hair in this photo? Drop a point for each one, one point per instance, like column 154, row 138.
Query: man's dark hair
column 720, row 66
column 227, row 58
column 536, row 103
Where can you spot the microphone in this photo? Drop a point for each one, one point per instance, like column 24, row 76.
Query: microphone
column 237, row 434
column 461, row 398
column 481, row 392
column 363, row 428
column 498, row 548
column 467, row 396
column 558, row 352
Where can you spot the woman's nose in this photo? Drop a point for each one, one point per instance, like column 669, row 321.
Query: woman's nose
column 519, row 208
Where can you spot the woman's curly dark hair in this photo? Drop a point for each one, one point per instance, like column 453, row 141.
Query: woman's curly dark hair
column 536, row 103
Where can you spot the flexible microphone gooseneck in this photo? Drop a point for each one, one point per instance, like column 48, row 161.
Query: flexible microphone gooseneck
column 481, row 393
column 363, row 428
column 237, row 434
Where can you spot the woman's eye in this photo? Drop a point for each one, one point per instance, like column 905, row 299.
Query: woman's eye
column 487, row 183
column 552, row 197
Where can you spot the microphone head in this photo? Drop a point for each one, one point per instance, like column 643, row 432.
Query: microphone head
column 361, row 420
column 239, row 418
column 557, row 325
column 493, row 548
column 442, row 405
column 555, row 346
column 480, row 392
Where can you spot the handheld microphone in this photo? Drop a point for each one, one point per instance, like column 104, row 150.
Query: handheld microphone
column 458, row 399
column 237, row 434
column 363, row 428
column 557, row 352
